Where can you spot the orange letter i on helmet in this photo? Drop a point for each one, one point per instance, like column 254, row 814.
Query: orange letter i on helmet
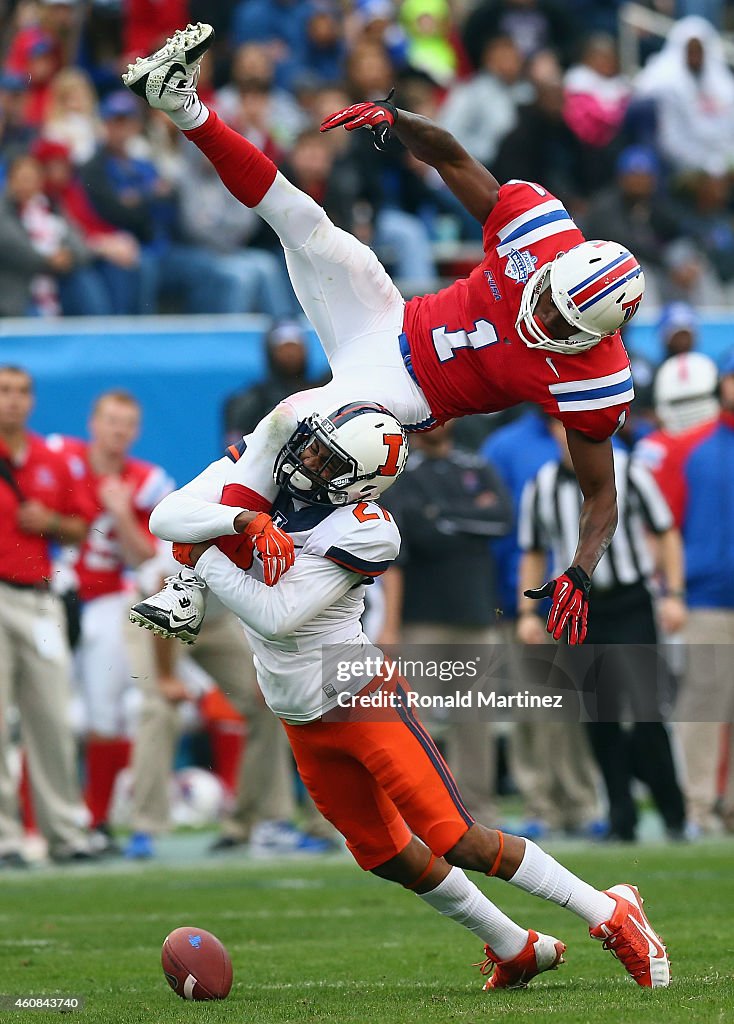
column 394, row 444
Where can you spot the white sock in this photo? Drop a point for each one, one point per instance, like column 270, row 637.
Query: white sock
column 191, row 115
column 543, row 876
column 459, row 898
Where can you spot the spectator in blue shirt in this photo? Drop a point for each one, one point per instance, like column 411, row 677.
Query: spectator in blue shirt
column 697, row 478
column 282, row 25
column 129, row 193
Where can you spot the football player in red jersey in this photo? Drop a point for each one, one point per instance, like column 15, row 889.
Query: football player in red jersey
column 122, row 491
column 538, row 320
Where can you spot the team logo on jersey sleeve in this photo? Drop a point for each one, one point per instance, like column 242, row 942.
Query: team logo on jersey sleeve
column 520, row 265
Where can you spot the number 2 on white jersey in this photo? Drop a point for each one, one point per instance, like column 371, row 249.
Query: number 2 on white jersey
column 447, row 342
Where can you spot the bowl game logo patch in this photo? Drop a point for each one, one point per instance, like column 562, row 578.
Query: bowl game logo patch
column 520, row 265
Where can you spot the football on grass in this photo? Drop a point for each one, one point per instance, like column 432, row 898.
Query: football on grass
column 196, row 964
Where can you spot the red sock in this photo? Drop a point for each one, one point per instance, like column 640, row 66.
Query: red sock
column 104, row 758
column 227, row 740
column 25, row 797
column 239, row 549
column 246, row 172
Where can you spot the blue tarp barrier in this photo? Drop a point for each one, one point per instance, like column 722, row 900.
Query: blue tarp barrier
column 182, row 369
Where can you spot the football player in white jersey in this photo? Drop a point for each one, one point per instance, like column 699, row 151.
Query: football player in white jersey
column 379, row 778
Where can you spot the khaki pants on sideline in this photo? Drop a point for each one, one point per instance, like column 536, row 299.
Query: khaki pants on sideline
column 35, row 676
column 265, row 785
column 705, row 700
column 471, row 750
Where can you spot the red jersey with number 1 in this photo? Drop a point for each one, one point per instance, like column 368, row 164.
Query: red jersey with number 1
column 466, row 352
column 99, row 566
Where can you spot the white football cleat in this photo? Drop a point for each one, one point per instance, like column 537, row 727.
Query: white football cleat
column 167, row 78
column 176, row 611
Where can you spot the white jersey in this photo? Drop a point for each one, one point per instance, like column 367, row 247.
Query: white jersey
column 299, row 629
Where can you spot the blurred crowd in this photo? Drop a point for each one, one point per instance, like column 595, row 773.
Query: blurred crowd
column 106, row 210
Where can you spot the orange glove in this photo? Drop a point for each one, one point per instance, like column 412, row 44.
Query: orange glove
column 273, row 545
column 182, row 554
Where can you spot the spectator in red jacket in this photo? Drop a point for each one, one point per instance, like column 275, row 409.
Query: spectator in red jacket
column 40, row 49
column 117, row 252
column 44, row 263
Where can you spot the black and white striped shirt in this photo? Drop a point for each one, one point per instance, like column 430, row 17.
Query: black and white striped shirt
column 549, row 520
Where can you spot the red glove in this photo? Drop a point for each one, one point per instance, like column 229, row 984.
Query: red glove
column 570, row 604
column 379, row 117
column 273, row 545
column 238, row 549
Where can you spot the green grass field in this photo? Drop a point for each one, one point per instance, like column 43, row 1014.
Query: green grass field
column 321, row 941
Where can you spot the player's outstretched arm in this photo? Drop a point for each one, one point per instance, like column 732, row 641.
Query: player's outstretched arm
column 194, row 512
column 569, row 593
column 594, row 466
column 472, row 184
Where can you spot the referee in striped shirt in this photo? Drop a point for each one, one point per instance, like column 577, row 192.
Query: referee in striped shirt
column 621, row 613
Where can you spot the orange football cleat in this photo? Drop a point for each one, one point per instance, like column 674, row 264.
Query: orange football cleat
column 630, row 937
column 542, row 953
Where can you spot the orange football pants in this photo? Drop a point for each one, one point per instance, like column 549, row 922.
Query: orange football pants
column 380, row 779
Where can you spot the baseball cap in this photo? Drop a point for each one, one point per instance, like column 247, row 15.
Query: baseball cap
column 48, row 149
column 638, row 160
column 119, row 104
column 375, row 10
column 678, row 316
column 284, row 333
column 10, row 82
column 41, row 47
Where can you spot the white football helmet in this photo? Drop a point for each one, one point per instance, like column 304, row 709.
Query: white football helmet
column 685, row 391
column 363, row 450
column 596, row 286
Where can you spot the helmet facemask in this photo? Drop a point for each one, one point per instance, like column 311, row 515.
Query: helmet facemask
column 530, row 327
column 596, row 287
column 353, row 454
column 328, row 484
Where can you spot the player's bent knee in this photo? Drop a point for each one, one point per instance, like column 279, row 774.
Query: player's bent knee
column 407, row 868
column 477, row 849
